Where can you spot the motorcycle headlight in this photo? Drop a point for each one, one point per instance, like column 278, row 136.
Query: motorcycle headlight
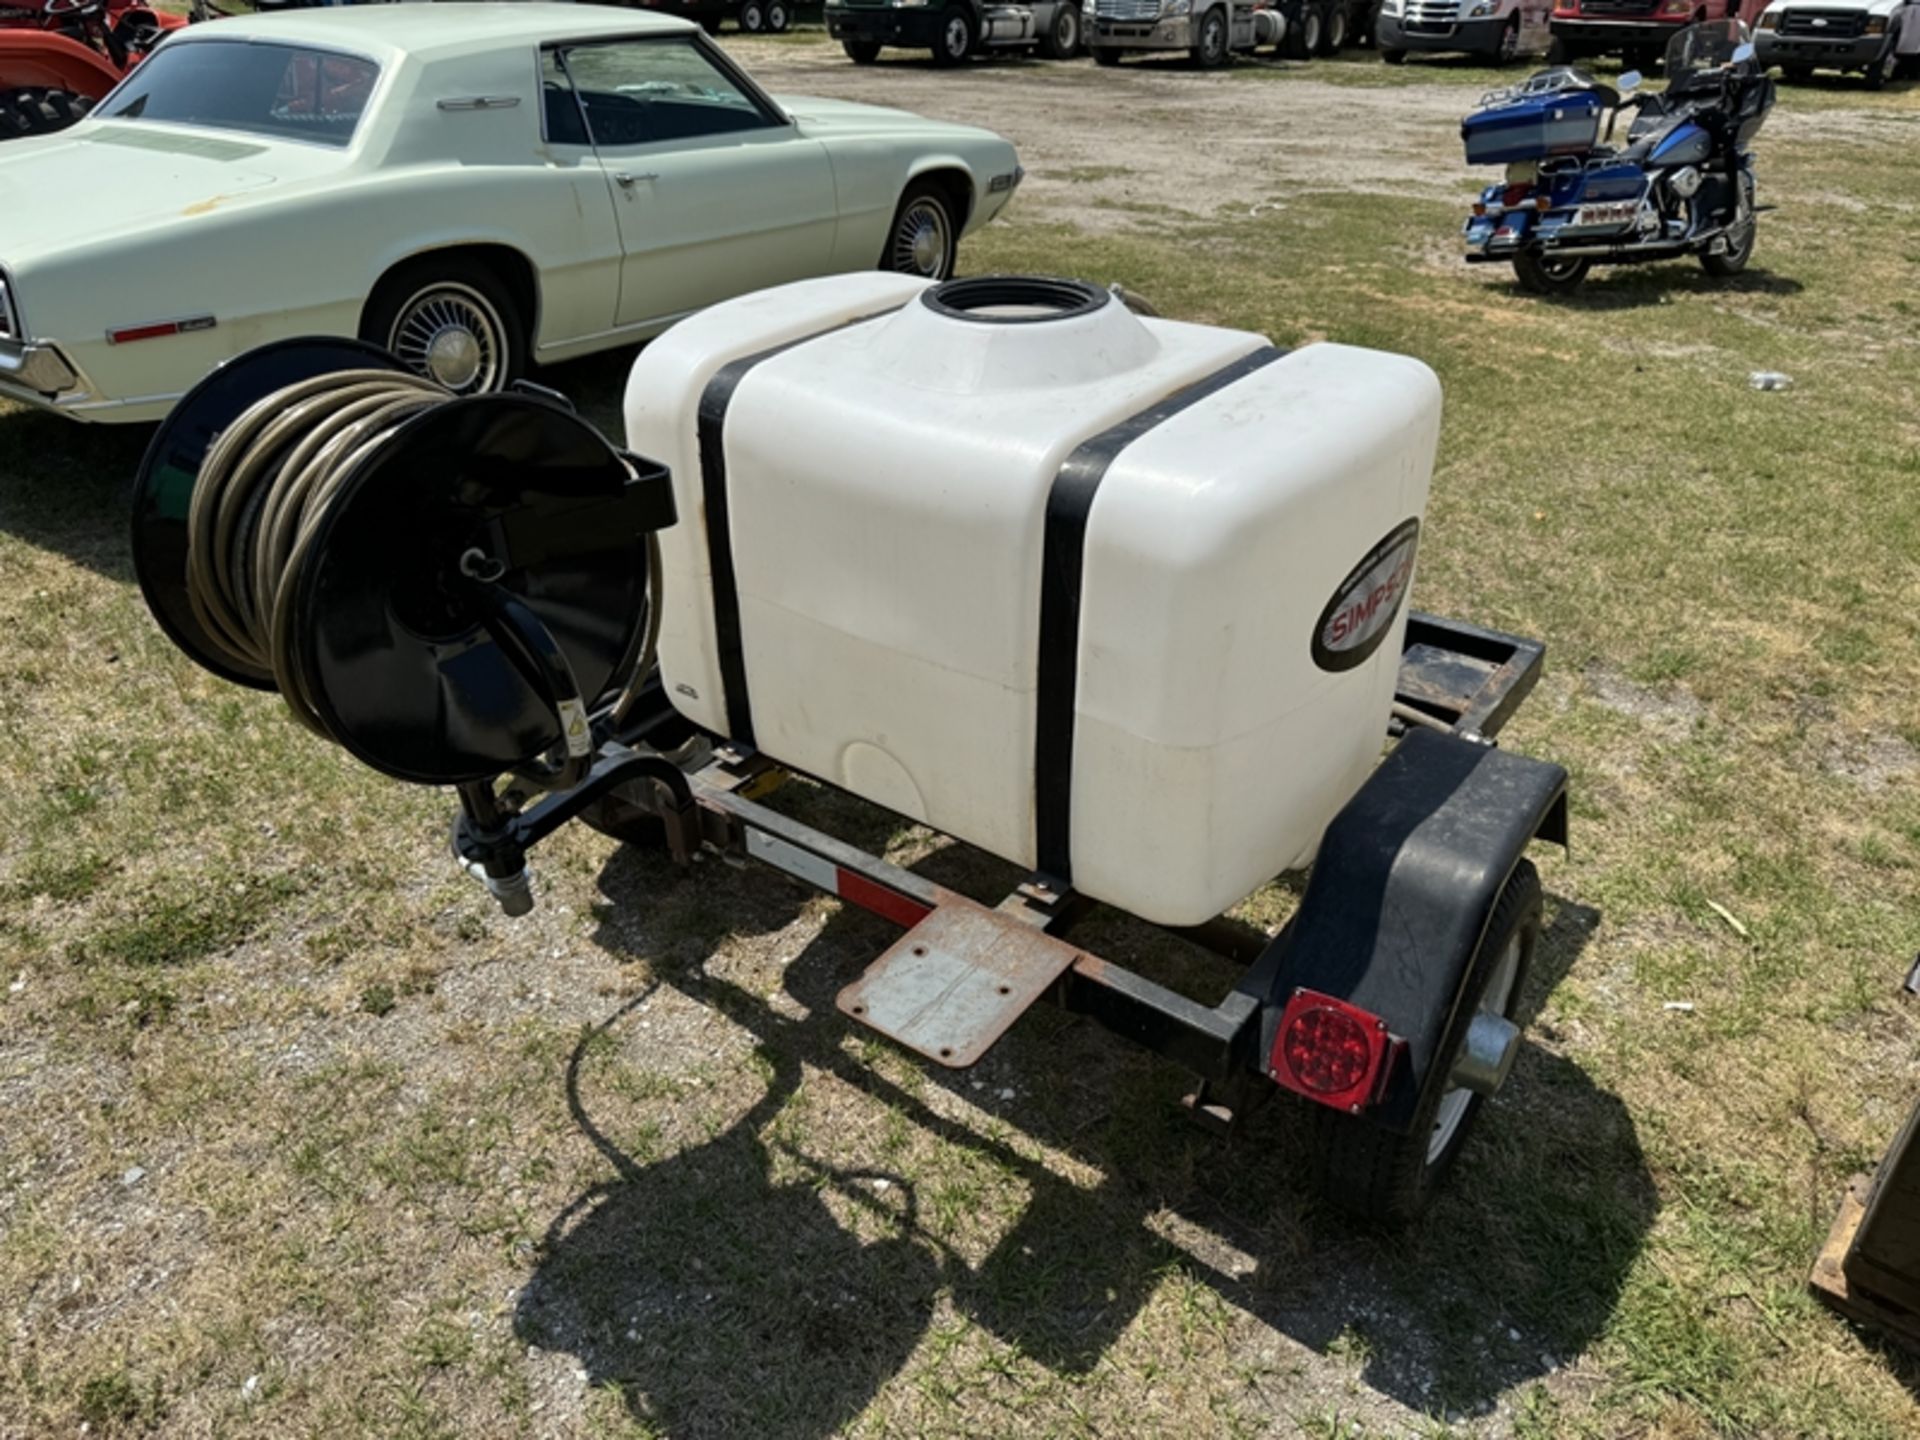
column 1176, row 7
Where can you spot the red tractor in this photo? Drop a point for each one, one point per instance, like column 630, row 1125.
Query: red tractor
column 59, row 57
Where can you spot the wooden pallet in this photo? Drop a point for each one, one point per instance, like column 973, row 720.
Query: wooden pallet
column 1829, row 1278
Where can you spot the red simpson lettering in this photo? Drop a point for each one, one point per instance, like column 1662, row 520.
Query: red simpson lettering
column 1355, row 621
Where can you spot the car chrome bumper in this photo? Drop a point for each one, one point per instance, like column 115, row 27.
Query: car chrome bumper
column 40, row 369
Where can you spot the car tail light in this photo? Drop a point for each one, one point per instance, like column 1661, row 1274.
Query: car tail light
column 1332, row 1052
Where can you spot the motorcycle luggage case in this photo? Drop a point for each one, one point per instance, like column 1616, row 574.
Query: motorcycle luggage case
column 1563, row 122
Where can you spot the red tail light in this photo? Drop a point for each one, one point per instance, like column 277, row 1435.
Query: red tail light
column 1514, row 194
column 1332, row 1052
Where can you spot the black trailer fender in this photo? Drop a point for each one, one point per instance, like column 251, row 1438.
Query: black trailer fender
column 1401, row 893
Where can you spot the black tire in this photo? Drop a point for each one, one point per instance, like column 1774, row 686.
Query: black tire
column 752, row 16
column 1508, row 50
column 1387, row 1178
column 454, row 292
column 1305, row 37
column 1333, row 29
column 1062, row 40
column 861, row 52
column 1882, row 71
column 957, row 39
column 1560, row 53
column 1724, row 267
column 779, row 17
column 37, row 110
column 1106, row 56
column 616, row 819
column 1548, row 277
column 1796, row 74
column 909, row 250
column 1210, row 52
column 1393, row 56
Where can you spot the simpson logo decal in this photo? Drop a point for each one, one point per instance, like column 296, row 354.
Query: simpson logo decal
column 1361, row 611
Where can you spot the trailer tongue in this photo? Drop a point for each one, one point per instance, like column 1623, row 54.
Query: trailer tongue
column 1118, row 599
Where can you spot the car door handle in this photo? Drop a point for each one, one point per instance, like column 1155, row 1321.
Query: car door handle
column 627, row 182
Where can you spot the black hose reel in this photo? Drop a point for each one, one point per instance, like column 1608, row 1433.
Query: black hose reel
column 454, row 589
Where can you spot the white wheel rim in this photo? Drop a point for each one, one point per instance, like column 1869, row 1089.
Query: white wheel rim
column 920, row 240
column 750, row 18
column 776, row 18
column 957, row 36
column 1495, row 1000
column 452, row 334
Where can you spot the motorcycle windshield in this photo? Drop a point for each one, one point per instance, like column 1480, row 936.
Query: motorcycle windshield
column 1706, row 46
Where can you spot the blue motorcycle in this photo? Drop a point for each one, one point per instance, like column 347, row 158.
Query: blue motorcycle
column 1683, row 183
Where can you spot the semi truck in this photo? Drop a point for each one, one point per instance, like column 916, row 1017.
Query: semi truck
column 1635, row 30
column 1212, row 32
column 954, row 31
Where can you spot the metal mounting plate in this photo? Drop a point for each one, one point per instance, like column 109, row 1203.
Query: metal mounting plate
column 955, row 983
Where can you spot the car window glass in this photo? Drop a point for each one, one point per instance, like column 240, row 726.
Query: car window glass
column 643, row 92
column 565, row 125
column 280, row 90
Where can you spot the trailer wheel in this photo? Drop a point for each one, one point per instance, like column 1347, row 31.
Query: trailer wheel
column 37, row 110
column 1062, row 40
column 1388, row 1178
column 1106, row 55
column 861, row 52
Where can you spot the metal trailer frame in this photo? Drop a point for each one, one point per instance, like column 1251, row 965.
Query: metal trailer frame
column 1428, row 844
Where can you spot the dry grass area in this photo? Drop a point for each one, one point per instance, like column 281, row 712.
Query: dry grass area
column 299, row 1137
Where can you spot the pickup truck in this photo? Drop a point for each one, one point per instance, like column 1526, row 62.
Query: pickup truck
column 1637, row 30
column 1501, row 30
column 1877, row 38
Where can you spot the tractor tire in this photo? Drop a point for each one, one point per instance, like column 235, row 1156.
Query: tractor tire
column 1388, row 1178
column 37, row 110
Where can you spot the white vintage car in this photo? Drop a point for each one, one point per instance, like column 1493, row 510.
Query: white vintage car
column 475, row 187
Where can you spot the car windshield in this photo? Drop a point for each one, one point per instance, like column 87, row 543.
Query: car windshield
column 279, row 90
column 1706, row 46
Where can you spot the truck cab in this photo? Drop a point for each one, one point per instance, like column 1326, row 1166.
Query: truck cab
column 1636, row 30
column 1211, row 31
column 1875, row 38
column 1502, row 30
column 956, row 30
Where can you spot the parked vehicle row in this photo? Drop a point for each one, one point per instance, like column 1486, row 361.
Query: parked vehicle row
column 473, row 191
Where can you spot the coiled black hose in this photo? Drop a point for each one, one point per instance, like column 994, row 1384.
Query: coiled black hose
column 261, row 494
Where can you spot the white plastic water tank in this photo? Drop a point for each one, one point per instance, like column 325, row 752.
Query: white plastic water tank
column 1116, row 598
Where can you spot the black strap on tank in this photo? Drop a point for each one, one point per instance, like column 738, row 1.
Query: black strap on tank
column 1062, row 563
column 711, row 428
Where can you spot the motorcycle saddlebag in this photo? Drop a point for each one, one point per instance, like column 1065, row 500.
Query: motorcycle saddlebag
column 1564, row 122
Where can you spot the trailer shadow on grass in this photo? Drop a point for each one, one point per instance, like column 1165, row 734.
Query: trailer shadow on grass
column 742, row 1285
column 66, row 487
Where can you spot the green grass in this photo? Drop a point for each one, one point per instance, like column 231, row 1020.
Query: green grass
column 412, row 1169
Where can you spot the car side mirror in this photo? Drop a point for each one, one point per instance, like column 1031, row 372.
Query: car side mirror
column 1629, row 80
column 1743, row 52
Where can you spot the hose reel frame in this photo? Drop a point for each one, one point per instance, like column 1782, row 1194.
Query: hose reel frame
column 479, row 578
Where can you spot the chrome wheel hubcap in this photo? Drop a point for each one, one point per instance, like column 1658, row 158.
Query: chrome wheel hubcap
column 920, row 241
column 1480, row 1065
column 957, row 37
column 452, row 335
